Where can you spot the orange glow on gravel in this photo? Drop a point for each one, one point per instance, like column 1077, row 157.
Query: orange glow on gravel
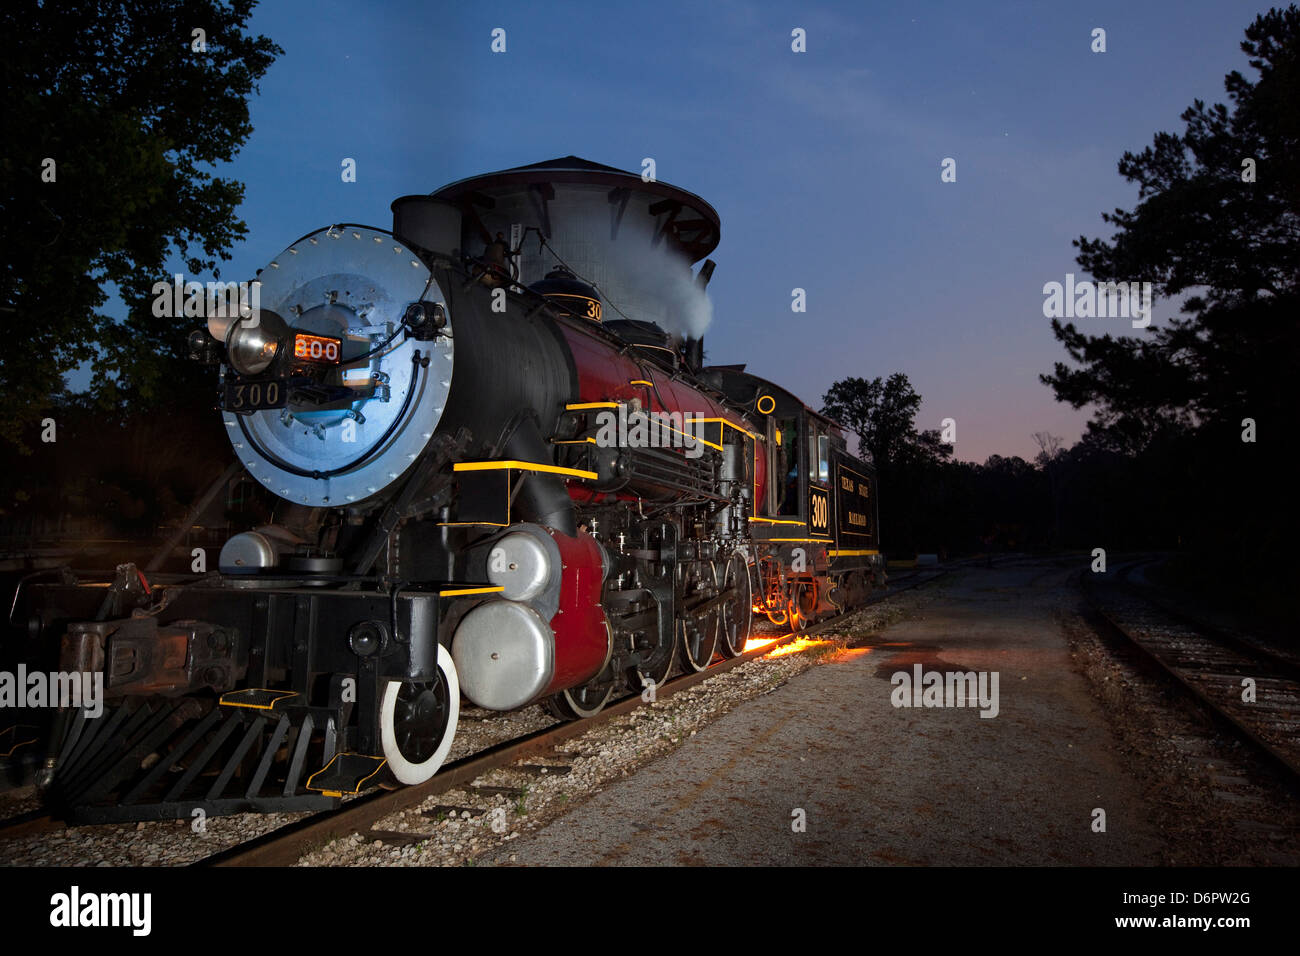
column 797, row 646
column 794, row 647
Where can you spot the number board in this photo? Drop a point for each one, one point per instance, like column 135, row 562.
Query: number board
column 853, row 501
column 819, row 511
column 242, row 397
column 317, row 348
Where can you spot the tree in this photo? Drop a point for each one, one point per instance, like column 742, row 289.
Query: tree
column 882, row 413
column 1218, row 221
column 114, row 113
column 1170, row 459
column 908, row 463
column 1048, row 458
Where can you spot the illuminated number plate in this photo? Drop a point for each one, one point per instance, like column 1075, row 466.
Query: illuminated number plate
column 317, row 348
column 254, row 396
column 819, row 506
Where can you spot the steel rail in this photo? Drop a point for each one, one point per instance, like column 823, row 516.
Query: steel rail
column 283, row 847
column 1184, row 676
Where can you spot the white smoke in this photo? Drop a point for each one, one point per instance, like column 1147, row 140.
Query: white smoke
column 639, row 280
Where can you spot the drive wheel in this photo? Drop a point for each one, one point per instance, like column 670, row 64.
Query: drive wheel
column 417, row 721
column 802, row 608
column 698, row 633
column 737, row 616
column 655, row 666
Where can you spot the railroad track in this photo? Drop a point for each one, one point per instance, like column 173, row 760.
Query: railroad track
column 1210, row 665
column 28, row 824
column 1287, row 666
column 285, row 845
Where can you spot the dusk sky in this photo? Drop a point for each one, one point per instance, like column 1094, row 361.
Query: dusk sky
column 824, row 166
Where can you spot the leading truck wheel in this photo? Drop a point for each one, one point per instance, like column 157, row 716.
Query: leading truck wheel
column 578, row 703
column 417, row 721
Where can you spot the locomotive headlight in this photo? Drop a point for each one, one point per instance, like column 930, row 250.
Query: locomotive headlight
column 252, row 343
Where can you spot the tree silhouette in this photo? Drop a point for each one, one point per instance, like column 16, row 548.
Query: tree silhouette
column 882, row 412
column 113, row 116
column 1217, row 222
column 1192, row 419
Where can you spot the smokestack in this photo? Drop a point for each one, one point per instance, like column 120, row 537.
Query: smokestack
column 692, row 347
column 705, row 274
column 693, row 352
column 426, row 224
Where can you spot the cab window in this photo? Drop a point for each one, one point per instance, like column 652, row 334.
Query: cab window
column 788, row 471
column 819, row 454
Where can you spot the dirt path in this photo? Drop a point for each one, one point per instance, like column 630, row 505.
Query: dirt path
column 879, row 784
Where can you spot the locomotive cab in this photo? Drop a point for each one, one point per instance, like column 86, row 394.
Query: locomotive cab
column 815, row 529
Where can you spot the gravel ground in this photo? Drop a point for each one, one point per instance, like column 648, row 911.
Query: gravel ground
column 462, row 827
column 176, row 842
column 825, row 770
column 1080, row 728
column 18, row 801
column 156, row 843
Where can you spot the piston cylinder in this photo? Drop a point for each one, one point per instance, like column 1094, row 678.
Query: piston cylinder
column 506, row 653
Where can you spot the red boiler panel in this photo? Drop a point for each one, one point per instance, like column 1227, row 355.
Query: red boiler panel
column 582, row 637
column 605, row 375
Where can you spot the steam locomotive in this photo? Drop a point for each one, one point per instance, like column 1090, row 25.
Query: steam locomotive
column 505, row 474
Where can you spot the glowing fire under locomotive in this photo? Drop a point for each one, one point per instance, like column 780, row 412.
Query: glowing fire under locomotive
column 434, row 406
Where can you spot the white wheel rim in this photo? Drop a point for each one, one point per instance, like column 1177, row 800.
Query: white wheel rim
column 586, row 712
column 744, row 623
column 684, row 644
column 404, row 770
